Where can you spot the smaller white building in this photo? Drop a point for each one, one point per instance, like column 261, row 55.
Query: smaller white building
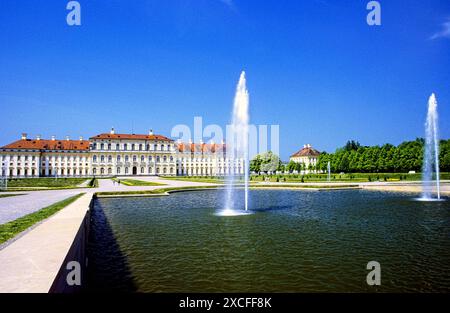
column 308, row 156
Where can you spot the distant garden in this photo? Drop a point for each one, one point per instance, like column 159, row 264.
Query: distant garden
column 408, row 156
column 355, row 158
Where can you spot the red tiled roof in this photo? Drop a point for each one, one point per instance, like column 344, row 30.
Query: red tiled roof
column 34, row 144
column 131, row 136
column 201, row 147
column 306, row 151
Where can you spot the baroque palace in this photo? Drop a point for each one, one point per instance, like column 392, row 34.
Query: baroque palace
column 112, row 154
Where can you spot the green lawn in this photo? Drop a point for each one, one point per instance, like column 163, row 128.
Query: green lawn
column 198, row 179
column 302, row 186
column 11, row 229
column 349, row 177
column 136, row 182
column 45, row 182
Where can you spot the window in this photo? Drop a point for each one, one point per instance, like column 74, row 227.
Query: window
column 125, row 147
column 155, row 146
column 94, row 159
column 140, row 147
column 102, row 171
column 109, row 146
column 118, row 170
column 110, row 158
column 132, row 147
column 126, row 170
column 94, row 171
column 109, row 170
column 142, row 158
column 150, row 158
column 127, row 158
column 134, row 158
column 157, row 158
column 117, row 147
column 165, row 158
column 162, row 147
column 102, row 146
column 102, row 159
column 148, row 147
column 118, row 158
column 164, row 170
column 94, row 146
column 149, row 170
column 142, row 170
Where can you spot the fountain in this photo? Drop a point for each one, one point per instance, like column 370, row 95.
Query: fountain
column 237, row 148
column 431, row 155
column 329, row 171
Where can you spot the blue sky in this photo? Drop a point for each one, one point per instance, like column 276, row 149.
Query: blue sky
column 314, row 67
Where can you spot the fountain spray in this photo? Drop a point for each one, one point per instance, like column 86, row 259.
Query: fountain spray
column 431, row 154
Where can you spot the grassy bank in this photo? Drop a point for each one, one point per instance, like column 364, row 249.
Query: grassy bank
column 11, row 195
column 136, row 182
column 169, row 189
column 150, row 192
column 303, row 186
column 11, row 229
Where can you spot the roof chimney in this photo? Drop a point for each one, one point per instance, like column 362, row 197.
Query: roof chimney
column 190, row 140
column 112, row 131
column 53, row 138
column 24, row 136
column 81, row 138
column 38, row 137
column 67, row 138
column 150, row 132
column 201, row 141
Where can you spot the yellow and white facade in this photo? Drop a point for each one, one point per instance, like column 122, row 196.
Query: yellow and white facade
column 111, row 154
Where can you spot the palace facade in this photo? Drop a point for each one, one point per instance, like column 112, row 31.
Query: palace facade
column 111, row 154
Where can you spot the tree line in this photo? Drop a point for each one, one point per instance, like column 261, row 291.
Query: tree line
column 355, row 158
column 408, row 156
